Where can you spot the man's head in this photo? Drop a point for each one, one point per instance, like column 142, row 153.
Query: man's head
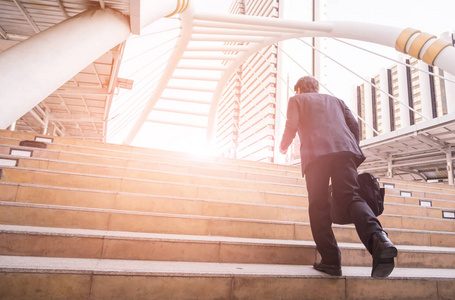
column 306, row 84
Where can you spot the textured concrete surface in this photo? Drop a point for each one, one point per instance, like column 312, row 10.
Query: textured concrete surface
column 163, row 268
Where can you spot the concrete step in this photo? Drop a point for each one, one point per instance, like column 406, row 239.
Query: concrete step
column 392, row 194
column 153, row 187
column 412, row 210
column 84, row 243
column 414, row 217
column 13, row 213
column 137, row 153
column 190, row 175
column 158, row 163
column 418, row 185
column 32, row 193
column 409, row 192
column 443, row 204
column 207, row 174
column 70, row 278
column 130, row 185
column 241, row 182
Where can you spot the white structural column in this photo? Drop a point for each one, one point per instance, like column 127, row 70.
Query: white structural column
column 449, row 165
column 368, row 110
column 33, row 69
column 390, row 166
column 385, row 106
column 450, row 92
column 403, row 94
column 425, row 91
column 282, row 92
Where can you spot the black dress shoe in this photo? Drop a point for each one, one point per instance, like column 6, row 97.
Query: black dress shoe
column 384, row 252
column 334, row 270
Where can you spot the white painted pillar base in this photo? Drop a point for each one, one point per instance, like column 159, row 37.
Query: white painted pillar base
column 33, row 69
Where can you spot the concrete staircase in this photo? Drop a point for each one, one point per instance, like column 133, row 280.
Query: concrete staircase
column 86, row 220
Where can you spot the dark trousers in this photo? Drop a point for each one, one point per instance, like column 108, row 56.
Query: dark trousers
column 342, row 170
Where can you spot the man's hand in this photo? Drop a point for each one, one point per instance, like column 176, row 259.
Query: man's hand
column 283, row 151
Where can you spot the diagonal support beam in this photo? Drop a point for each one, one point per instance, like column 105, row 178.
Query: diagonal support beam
column 62, row 9
column 441, row 146
column 3, row 34
column 83, row 91
column 27, row 15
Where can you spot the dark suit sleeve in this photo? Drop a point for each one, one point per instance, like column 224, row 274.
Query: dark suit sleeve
column 351, row 122
column 292, row 123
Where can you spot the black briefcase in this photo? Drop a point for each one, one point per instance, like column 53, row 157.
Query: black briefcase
column 370, row 191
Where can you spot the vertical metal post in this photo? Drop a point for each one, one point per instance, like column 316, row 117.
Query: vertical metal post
column 449, row 165
column 389, row 166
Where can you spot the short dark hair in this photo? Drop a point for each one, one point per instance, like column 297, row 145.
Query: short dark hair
column 307, row 84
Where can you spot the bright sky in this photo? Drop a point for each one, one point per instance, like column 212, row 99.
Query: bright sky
column 434, row 16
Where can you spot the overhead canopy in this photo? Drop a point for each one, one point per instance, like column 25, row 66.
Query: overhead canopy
column 413, row 153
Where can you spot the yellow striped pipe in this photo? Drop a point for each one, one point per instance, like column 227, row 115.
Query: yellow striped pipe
column 403, row 39
column 418, row 43
column 434, row 50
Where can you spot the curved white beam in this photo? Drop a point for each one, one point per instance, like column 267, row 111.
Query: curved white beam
column 174, row 59
column 379, row 34
column 240, row 29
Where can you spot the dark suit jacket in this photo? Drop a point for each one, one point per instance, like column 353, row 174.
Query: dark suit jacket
column 326, row 126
